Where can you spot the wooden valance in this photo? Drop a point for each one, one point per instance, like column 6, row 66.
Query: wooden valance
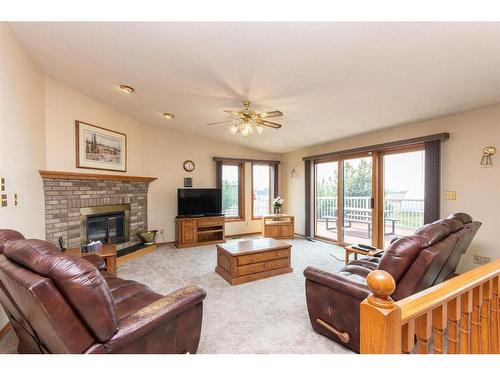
column 92, row 176
column 382, row 146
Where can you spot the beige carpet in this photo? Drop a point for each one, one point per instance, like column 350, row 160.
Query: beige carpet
column 265, row 316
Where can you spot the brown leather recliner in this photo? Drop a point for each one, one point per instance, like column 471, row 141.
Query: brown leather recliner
column 63, row 304
column 415, row 262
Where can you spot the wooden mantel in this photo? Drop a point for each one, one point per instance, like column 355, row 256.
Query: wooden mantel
column 92, row 176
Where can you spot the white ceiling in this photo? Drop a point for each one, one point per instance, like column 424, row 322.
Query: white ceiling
column 331, row 80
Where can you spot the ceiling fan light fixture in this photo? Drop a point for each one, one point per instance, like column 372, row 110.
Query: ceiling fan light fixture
column 247, row 130
column 128, row 89
column 248, row 122
column 234, row 129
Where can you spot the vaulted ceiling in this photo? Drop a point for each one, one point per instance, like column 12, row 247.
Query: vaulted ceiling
column 331, row 80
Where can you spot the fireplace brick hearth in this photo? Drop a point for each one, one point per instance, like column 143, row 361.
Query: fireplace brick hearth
column 64, row 197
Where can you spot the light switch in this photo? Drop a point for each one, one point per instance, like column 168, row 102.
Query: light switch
column 4, row 200
column 451, row 195
column 15, row 200
column 2, row 184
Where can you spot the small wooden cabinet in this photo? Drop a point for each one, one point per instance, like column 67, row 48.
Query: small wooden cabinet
column 199, row 231
column 278, row 226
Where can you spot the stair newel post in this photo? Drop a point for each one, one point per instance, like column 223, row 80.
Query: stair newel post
column 380, row 317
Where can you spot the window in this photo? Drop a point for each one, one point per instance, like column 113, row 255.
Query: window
column 232, row 191
column 261, row 190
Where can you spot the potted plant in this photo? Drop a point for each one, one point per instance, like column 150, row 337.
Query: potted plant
column 147, row 237
column 277, row 205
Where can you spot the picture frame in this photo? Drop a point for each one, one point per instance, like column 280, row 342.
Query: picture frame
column 100, row 148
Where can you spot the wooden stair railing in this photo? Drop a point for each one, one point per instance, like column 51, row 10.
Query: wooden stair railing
column 460, row 315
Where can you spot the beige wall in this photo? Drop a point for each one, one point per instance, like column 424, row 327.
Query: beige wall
column 478, row 189
column 152, row 151
column 22, row 150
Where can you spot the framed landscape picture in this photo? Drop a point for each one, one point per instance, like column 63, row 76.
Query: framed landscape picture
column 100, row 148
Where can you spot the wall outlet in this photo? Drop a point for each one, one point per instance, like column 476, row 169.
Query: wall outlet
column 478, row 259
column 161, row 231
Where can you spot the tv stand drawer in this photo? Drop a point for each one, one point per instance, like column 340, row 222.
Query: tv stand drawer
column 210, row 222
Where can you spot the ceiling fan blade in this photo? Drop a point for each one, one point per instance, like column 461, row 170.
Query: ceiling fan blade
column 269, row 124
column 219, row 122
column 270, row 114
column 232, row 112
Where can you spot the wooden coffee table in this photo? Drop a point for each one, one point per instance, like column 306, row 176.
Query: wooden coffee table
column 243, row 261
column 107, row 252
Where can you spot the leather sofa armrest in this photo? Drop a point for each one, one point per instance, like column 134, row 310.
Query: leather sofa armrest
column 96, row 261
column 365, row 263
column 150, row 317
column 337, row 282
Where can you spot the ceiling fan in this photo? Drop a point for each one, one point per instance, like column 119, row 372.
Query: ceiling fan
column 249, row 122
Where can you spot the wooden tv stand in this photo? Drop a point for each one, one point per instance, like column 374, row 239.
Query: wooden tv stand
column 199, row 231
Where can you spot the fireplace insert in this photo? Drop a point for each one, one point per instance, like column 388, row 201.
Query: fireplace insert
column 108, row 224
column 107, row 228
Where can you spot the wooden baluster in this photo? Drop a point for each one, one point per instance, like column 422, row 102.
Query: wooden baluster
column 495, row 316
column 466, row 309
column 475, row 339
column 453, row 318
column 439, row 319
column 408, row 337
column 380, row 317
column 485, row 317
column 423, row 329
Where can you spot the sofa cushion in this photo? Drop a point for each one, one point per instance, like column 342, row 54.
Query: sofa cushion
column 462, row 217
column 7, row 235
column 76, row 279
column 115, row 282
column 452, row 224
column 433, row 232
column 138, row 296
column 400, row 255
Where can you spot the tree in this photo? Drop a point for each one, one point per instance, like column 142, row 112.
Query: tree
column 229, row 195
column 357, row 181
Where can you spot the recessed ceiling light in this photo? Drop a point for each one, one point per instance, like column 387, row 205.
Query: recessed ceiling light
column 168, row 115
column 128, row 89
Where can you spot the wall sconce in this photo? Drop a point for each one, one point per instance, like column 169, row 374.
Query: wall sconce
column 293, row 173
column 488, row 152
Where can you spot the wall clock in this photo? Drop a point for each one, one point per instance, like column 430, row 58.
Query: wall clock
column 189, row 165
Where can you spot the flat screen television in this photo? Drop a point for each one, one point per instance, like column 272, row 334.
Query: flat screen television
column 199, row 202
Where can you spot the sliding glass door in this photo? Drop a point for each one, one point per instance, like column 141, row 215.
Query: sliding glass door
column 357, row 208
column 369, row 198
column 326, row 199
column 404, row 184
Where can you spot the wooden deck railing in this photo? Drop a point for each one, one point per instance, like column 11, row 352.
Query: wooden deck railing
column 460, row 315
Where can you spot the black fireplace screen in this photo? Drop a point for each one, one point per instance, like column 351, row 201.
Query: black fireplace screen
column 107, row 228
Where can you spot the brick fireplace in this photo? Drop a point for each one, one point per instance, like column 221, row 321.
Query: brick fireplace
column 70, row 198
